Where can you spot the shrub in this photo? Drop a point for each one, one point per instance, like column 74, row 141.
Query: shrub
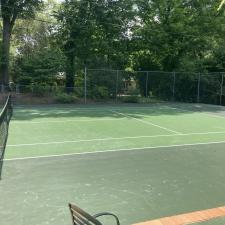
column 130, row 99
column 25, row 80
column 40, row 90
column 149, row 100
column 24, row 83
column 66, row 98
column 100, row 92
column 79, row 91
column 133, row 91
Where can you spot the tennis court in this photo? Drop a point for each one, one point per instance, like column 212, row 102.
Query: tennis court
column 139, row 162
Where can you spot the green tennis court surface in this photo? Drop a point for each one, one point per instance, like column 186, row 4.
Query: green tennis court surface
column 141, row 163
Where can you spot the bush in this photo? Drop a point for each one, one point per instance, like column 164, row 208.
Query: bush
column 24, row 88
column 133, row 91
column 24, row 83
column 25, row 80
column 149, row 100
column 66, row 98
column 130, row 99
column 100, row 92
column 40, row 90
column 79, row 91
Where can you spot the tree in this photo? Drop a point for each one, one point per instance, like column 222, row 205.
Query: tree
column 176, row 36
column 93, row 30
column 11, row 10
column 221, row 5
column 171, row 30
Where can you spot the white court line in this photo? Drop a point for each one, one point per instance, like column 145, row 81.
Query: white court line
column 63, row 121
column 119, row 138
column 115, row 150
column 146, row 122
column 100, row 108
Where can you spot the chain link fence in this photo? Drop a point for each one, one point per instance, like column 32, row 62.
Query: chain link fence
column 147, row 86
column 105, row 85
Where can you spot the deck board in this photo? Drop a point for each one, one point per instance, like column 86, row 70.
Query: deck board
column 188, row 218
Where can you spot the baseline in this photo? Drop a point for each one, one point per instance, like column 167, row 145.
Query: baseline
column 114, row 150
column 64, row 121
column 146, row 122
column 112, row 138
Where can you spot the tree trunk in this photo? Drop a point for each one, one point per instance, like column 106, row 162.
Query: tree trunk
column 4, row 67
column 70, row 73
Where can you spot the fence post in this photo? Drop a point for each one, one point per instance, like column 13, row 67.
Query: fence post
column 221, row 89
column 146, row 86
column 17, row 88
column 174, row 84
column 117, row 80
column 199, row 81
column 85, row 85
column 2, row 88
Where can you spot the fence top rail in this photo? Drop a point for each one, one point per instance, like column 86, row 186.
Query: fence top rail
column 157, row 71
column 133, row 71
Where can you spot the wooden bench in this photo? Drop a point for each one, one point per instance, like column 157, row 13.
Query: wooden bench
column 80, row 217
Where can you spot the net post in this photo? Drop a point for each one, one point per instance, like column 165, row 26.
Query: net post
column 85, row 85
column 174, row 84
column 221, row 88
column 146, row 85
column 199, row 81
column 5, row 116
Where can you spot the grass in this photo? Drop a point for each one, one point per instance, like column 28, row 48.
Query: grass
column 147, row 162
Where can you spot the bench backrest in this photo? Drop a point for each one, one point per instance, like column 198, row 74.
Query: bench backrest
column 80, row 217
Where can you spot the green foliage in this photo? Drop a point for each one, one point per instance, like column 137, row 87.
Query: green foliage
column 172, row 30
column 66, row 98
column 40, row 67
column 94, row 33
column 10, row 12
column 130, row 99
column 40, row 90
column 149, row 100
column 133, row 91
column 24, row 80
column 140, row 35
column 221, row 4
column 99, row 92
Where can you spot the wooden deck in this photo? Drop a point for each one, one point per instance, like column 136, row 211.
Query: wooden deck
column 188, row 218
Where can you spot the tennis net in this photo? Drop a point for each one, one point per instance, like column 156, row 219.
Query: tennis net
column 5, row 117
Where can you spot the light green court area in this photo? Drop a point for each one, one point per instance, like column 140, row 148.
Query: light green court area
column 49, row 131
column 140, row 163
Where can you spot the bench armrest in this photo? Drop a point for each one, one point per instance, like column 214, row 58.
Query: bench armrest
column 107, row 214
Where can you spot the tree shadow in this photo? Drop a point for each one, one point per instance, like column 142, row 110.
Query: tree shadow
column 29, row 113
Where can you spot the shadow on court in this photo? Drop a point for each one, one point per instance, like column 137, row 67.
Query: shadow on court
column 136, row 110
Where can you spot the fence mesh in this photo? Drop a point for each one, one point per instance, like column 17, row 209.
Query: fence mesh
column 106, row 85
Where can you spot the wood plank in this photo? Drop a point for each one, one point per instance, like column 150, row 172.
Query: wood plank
column 188, row 218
